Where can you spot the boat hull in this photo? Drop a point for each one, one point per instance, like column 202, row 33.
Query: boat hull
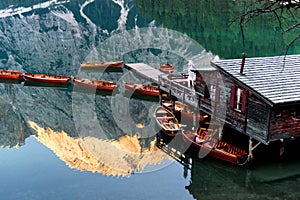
column 183, row 113
column 216, row 148
column 166, row 121
column 88, row 85
column 142, row 89
column 99, row 66
column 7, row 76
column 46, row 80
column 167, row 68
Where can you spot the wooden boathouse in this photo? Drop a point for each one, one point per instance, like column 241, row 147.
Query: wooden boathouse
column 261, row 96
column 256, row 97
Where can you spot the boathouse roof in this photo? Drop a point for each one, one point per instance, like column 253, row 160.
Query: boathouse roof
column 275, row 79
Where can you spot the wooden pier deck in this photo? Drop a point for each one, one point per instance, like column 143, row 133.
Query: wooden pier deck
column 145, row 71
column 175, row 84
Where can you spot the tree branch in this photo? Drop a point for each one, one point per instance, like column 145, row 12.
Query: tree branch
column 261, row 7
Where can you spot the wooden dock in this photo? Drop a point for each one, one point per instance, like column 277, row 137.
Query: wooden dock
column 175, row 84
column 145, row 71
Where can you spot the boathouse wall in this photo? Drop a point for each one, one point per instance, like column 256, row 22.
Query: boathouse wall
column 271, row 85
column 285, row 122
column 253, row 117
column 258, row 117
column 234, row 118
column 260, row 120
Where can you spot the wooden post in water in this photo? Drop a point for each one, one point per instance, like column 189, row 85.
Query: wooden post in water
column 196, row 112
column 173, row 105
column 250, row 156
column 160, row 96
column 220, row 132
column 282, row 147
column 195, row 119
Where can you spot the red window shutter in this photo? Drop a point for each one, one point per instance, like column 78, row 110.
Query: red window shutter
column 244, row 101
column 232, row 96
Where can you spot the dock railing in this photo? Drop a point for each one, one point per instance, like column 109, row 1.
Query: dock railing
column 176, row 85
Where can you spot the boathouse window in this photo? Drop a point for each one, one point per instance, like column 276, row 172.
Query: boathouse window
column 238, row 99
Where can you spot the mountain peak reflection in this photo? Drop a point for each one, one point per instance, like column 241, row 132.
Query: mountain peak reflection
column 121, row 157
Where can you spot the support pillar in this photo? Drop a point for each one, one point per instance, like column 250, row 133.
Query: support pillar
column 160, row 97
column 173, row 105
column 282, row 147
column 220, row 132
column 251, row 148
column 250, row 155
column 195, row 120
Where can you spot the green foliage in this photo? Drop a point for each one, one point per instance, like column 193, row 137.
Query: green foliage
column 212, row 23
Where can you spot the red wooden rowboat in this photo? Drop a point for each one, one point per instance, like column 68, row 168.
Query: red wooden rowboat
column 166, row 121
column 98, row 85
column 98, row 65
column 148, row 90
column 46, row 80
column 10, row 76
column 215, row 148
column 166, row 68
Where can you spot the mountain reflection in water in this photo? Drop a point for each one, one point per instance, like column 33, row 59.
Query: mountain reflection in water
column 120, row 157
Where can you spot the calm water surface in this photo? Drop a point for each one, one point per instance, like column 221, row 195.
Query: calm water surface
column 66, row 144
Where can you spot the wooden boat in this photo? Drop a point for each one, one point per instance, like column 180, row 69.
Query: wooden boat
column 148, row 90
column 215, row 148
column 102, row 66
column 46, row 80
column 166, row 68
column 98, row 85
column 182, row 111
column 166, row 121
column 8, row 76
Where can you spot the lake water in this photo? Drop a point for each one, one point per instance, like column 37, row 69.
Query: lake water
column 64, row 144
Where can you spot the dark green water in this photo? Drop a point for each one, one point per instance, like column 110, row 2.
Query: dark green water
column 56, row 36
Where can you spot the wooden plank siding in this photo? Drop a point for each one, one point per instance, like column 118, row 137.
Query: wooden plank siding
column 235, row 119
column 198, row 97
column 285, row 122
column 254, row 121
column 258, row 114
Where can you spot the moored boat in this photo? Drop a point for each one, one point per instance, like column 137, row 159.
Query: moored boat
column 166, row 121
column 102, row 66
column 97, row 85
column 46, row 80
column 9, row 76
column 215, row 148
column 166, row 68
column 142, row 89
column 182, row 111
